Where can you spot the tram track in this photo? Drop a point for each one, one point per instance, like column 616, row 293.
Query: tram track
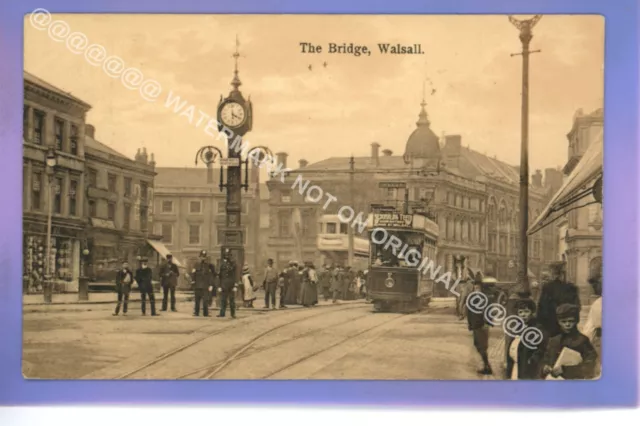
column 240, row 353
column 336, row 344
column 172, row 353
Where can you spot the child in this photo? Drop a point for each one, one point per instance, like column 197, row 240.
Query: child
column 480, row 331
column 525, row 360
column 570, row 338
column 247, row 283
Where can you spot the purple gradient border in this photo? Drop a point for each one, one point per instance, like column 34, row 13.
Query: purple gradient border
column 618, row 386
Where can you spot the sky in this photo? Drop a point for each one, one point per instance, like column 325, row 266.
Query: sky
column 473, row 84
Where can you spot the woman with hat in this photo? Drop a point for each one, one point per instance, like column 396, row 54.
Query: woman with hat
column 247, row 283
column 309, row 286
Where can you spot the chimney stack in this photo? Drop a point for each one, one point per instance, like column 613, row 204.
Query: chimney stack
column 387, row 152
column 537, row 179
column 553, row 179
column 145, row 156
column 375, row 148
column 152, row 162
column 282, row 159
column 303, row 163
column 90, row 131
column 453, row 144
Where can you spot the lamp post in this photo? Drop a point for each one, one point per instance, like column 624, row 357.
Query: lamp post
column 209, row 155
column 51, row 162
column 83, row 280
column 352, row 170
column 525, row 28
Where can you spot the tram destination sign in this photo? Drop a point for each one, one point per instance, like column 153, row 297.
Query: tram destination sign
column 390, row 185
column 393, row 220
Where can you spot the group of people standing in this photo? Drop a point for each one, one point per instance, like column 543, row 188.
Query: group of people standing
column 556, row 316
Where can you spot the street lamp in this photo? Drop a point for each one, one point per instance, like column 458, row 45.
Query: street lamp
column 51, row 162
column 83, row 280
column 525, row 27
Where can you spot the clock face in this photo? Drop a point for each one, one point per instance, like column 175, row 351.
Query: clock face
column 232, row 114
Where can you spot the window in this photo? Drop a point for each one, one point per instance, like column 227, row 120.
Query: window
column 25, row 123
column 73, row 191
column 285, row 196
column 306, row 224
column 93, row 211
column 92, row 178
column 167, row 206
column 58, row 128
column 38, row 127
column 127, row 187
column 194, row 234
column 111, row 211
column 143, row 218
column 391, row 193
column 111, row 182
column 195, row 207
column 167, row 233
column 450, row 198
column 126, row 223
column 332, row 228
column 344, row 229
column 57, row 200
column 222, row 207
column 144, row 189
column 74, row 139
column 36, row 191
column 284, row 224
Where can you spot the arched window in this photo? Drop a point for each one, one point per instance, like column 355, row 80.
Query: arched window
column 595, row 267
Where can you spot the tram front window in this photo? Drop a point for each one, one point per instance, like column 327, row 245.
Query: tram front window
column 390, row 253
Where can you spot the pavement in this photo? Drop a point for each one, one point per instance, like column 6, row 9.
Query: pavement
column 94, row 298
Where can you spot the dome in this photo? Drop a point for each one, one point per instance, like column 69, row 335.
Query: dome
column 423, row 142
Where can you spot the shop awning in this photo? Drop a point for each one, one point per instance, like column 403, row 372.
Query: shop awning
column 577, row 191
column 163, row 251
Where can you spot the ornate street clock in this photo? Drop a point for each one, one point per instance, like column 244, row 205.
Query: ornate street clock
column 235, row 117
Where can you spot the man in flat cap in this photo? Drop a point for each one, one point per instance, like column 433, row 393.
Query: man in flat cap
column 144, row 279
column 569, row 339
column 169, row 280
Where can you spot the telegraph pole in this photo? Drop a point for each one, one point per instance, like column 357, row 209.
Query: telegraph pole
column 352, row 169
column 525, row 28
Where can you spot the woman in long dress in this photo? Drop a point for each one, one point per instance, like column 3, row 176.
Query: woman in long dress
column 247, row 283
column 293, row 289
column 309, row 286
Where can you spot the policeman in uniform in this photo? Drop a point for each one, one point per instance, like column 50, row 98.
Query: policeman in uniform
column 143, row 278
column 203, row 283
column 169, row 280
column 228, row 285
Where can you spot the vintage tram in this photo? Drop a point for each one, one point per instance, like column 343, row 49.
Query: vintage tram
column 399, row 243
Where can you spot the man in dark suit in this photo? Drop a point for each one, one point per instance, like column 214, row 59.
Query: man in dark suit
column 124, row 281
column 144, row 279
column 169, row 280
column 228, row 285
column 203, row 283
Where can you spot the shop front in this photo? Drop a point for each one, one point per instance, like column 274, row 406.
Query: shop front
column 64, row 259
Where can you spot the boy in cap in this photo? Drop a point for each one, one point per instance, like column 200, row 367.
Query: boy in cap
column 570, row 338
column 480, row 329
column 525, row 361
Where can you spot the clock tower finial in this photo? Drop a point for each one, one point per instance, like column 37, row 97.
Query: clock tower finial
column 236, row 80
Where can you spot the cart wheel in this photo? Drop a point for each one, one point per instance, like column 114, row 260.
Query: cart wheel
column 502, row 298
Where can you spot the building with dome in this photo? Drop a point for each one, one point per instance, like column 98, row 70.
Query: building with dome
column 473, row 198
